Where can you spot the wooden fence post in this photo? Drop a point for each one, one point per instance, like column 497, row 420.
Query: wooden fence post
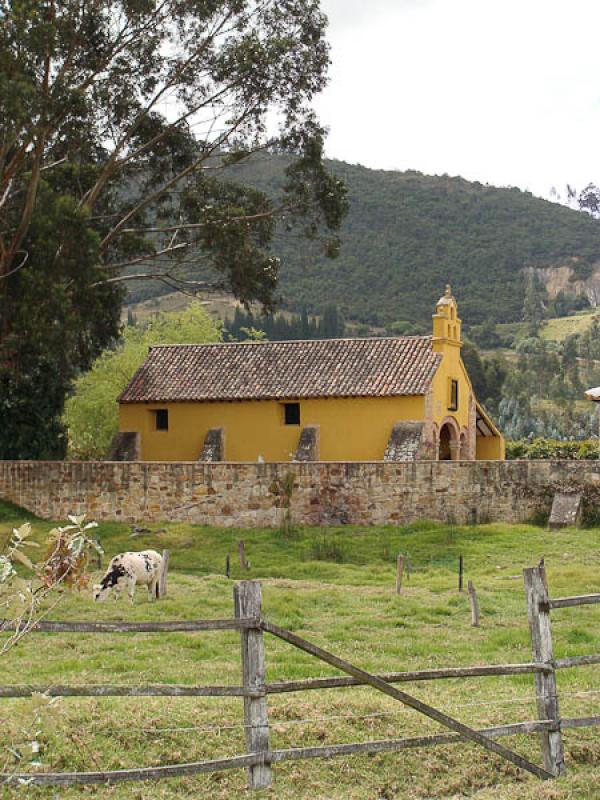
column 460, row 573
column 538, row 612
column 474, row 601
column 162, row 581
column 399, row 570
column 247, row 598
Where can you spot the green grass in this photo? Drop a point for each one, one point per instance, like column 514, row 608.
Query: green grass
column 336, row 587
column 558, row 329
column 553, row 330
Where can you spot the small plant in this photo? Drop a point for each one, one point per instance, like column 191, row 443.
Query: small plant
column 23, row 596
column 26, row 598
column 451, row 530
column 68, row 554
column 326, row 548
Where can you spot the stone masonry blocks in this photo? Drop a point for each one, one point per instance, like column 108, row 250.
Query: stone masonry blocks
column 249, row 495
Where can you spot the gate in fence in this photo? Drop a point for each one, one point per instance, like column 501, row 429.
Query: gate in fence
column 259, row 759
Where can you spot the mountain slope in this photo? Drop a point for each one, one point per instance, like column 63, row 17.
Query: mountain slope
column 408, row 234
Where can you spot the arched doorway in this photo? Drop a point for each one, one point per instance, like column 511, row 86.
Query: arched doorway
column 448, row 442
column 445, row 453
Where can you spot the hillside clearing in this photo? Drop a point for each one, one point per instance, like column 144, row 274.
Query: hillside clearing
column 336, row 588
column 557, row 329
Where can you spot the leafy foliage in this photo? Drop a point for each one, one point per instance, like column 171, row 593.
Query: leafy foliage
column 68, row 552
column 553, row 449
column 55, row 323
column 99, row 184
column 543, row 384
column 26, row 586
column 487, row 375
column 91, row 413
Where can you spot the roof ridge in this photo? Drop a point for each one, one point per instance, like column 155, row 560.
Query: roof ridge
column 295, row 341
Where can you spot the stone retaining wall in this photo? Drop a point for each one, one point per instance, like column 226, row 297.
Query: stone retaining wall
column 324, row 493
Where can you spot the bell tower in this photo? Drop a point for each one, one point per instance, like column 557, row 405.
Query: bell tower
column 446, row 324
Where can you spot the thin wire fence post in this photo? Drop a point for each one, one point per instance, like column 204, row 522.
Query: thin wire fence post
column 247, row 599
column 538, row 612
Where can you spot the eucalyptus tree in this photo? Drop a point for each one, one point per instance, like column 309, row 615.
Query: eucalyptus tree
column 122, row 123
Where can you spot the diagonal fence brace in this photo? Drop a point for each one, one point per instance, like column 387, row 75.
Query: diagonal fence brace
column 408, row 700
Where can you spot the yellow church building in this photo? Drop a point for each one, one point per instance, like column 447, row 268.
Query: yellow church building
column 375, row 399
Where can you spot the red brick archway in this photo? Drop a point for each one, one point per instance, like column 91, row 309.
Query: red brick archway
column 449, row 440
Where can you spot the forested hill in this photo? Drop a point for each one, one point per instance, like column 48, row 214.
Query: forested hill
column 407, row 235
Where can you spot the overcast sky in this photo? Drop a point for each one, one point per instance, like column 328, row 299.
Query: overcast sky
column 501, row 92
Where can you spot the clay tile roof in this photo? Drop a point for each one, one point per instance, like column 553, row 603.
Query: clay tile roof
column 379, row 367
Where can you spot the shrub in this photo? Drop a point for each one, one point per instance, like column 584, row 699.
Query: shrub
column 589, row 450
column 553, row 449
column 92, row 414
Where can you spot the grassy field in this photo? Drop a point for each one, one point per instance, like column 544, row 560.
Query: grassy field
column 558, row 329
column 553, row 330
column 337, row 589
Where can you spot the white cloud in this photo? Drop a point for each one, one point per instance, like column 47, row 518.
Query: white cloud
column 501, row 92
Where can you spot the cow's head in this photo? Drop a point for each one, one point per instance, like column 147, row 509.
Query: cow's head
column 99, row 592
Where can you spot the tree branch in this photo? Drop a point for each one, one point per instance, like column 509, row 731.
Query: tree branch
column 18, row 267
column 182, row 285
column 149, row 256
column 190, row 226
column 109, row 169
column 149, row 199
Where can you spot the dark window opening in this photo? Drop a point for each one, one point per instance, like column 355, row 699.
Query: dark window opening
column 453, row 405
column 162, row 419
column 292, row 413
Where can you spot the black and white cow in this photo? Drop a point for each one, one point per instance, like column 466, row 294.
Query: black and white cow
column 128, row 569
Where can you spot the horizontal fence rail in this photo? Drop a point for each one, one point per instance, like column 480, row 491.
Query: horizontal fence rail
column 189, row 626
column 142, row 774
column 305, row 684
column 577, row 600
column 290, row 754
column 577, row 661
column 151, row 690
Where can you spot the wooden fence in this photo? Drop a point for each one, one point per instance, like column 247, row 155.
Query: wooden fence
column 260, row 758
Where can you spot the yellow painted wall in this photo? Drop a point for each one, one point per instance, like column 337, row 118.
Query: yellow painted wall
column 351, row 429
column 451, row 368
column 490, row 448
